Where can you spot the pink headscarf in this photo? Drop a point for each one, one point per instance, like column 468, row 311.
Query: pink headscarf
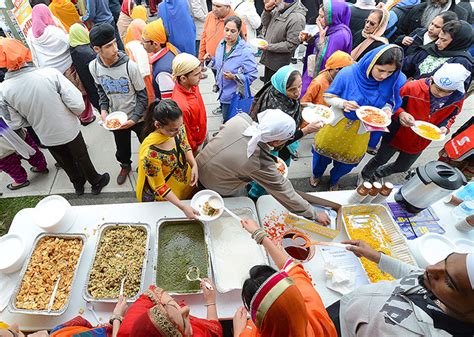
column 41, row 18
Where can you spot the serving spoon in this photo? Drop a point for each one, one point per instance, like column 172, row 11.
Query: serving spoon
column 216, row 203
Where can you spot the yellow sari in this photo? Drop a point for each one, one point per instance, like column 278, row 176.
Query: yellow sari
column 332, row 141
column 161, row 171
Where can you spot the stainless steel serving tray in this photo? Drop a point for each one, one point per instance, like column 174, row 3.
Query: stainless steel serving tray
column 12, row 304
column 399, row 246
column 102, row 230
column 164, row 221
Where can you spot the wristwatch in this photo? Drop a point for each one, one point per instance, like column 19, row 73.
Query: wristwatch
column 115, row 317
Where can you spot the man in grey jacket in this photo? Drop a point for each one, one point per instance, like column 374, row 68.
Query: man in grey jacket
column 438, row 301
column 46, row 100
column 121, row 88
column 240, row 153
column 283, row 20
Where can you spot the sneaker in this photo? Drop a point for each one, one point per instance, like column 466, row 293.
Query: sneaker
column 104, row 180
column 217, row 111
column 123, row 174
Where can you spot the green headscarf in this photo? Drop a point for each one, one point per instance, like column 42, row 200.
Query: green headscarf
column 78, row 35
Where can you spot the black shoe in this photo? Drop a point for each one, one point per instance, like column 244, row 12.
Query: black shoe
column 79, row 190
column 89, row 122
column 104, row 180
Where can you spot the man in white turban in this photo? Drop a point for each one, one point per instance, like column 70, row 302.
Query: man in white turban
column 437, row 301
column 240, row 153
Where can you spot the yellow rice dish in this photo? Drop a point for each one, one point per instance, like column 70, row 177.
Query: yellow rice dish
column 375, row 235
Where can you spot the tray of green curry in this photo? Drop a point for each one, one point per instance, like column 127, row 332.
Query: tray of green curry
column 181, row 243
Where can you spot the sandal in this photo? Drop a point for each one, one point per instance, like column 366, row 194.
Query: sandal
column 36, row 170
column 334, row 188
column 12, row 187
column 313, row 181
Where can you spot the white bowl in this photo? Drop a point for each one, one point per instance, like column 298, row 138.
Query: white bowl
column 53, row 214
column 432, row 248
column 12, row 253
column 200, row 198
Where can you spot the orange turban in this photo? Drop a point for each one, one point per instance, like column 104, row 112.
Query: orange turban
column 339, row 59
column 13, row 54
column 155, row 31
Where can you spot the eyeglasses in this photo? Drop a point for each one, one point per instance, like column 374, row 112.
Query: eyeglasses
column 371, row 22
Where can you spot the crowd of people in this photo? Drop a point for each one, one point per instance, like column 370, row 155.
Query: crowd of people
column 85, row 60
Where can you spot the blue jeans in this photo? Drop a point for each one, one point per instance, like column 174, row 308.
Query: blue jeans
column 225, row 108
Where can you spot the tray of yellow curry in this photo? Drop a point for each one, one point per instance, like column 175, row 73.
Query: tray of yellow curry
column 374, row 225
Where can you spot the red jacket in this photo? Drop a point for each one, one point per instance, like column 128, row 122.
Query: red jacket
column 194, row 114
column 416, row 101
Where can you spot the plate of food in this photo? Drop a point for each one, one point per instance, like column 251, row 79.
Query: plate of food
column 258, row 43
column 428, row 131
column 200, row 201
column 373, row 116
column 115, row 120
column 282, row 167
column 317, row 112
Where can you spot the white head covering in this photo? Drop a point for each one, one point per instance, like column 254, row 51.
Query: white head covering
column 451, row 76
column 273, row 124
column 470, row 268
column 221, row 2
column 365, row 4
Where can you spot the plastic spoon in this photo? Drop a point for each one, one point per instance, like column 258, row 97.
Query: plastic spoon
column 53, row 295
column 333, row 244
column 216, row 203
column 90, row 307
column 193, row 275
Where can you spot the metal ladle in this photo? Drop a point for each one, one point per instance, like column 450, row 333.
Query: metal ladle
column 193, row 275
column 216, row 203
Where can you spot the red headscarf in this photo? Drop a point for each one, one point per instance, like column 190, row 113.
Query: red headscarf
column 140, row 320
column 127, row 6
column 41, row 17
column 13, row 54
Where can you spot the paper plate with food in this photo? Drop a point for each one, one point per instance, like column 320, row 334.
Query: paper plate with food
column 258, row 43
column 115, row 120
column 317, row 112
column 282, row 167
column 373, row 116
column 200, row 202
column 428, row 131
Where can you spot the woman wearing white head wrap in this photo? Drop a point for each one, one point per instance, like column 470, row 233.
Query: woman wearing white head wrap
column 273, row 125
column 241, row 153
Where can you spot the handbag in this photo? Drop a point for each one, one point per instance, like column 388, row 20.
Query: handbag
column 240, row 103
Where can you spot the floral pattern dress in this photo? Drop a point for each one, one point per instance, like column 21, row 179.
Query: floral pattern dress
column 168, row 170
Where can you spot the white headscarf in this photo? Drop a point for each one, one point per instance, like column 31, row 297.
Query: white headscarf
column 451, row 76
column 365, row 4
column 273, row 124
column 470, row 268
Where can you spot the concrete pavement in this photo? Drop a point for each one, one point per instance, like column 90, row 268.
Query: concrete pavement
column 101, row 148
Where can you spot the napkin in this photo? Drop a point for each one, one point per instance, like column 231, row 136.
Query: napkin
column 376, row 128
column 7, row 289
column 338, row 279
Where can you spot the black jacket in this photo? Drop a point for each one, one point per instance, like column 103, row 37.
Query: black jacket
column 417, row 36
column 81, row 57
column 409, row 18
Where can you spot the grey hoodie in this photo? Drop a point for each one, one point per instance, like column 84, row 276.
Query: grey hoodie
column 120, row 86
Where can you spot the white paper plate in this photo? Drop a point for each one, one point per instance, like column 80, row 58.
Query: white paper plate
column 121, row 116
column 197, row 202
column 418, row 123
column 53, row 214
column 361, row 114
column 258, row 43
column 12, row 253
column 318, row 112
column 464, row 246
column 281, row 162
column 432, row 248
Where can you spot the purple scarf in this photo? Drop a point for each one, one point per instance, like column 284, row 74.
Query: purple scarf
column 337, row 15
